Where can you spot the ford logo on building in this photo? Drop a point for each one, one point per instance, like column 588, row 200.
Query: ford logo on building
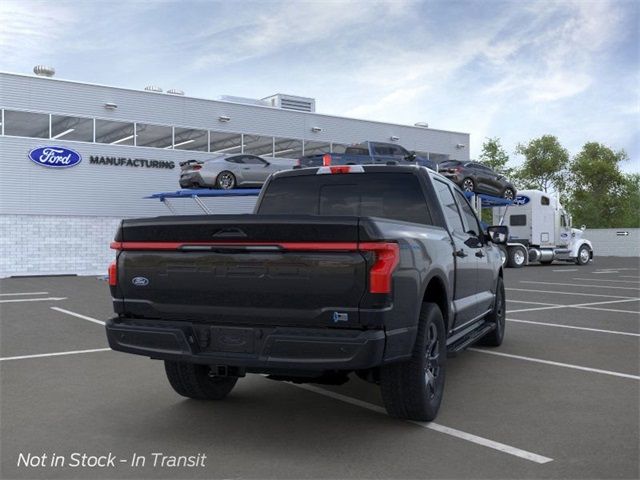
column 140, row 281
column 55, row 157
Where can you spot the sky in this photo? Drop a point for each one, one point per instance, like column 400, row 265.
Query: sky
column 509, row 69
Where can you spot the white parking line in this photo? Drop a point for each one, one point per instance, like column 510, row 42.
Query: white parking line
column 56, row 354
column 485, row 442
column 588, row 306
column 567, row 293
column 556, row 364
column 613, row 332
column 84, row 317
column 581, row 285
column 23, row 293
column 566, row 270
column 628, row 276
column 605, row 280
column 48, row 299
column 533, row 303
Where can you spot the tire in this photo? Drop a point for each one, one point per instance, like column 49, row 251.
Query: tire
column 503, row 254
column 516, row 257
column 225, row 180
column 508, row 193
column 412, row 389
column 194, row 381
column 584, row 255
column 468, row 185
column 546, row 262
column 498, row 316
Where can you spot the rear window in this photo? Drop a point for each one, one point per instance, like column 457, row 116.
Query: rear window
column 396, row 196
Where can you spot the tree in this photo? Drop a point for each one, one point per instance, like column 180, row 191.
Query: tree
column 600, row 194
column 545, row 164
column 494, row 156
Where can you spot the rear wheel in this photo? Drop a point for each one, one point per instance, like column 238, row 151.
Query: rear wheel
column 197, row 381
column 226, row 180
column 468, row 185
column 413, row 389
column 497, row 316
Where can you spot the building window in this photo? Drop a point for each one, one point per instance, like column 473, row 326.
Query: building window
column 287, row 148
column 225, row 143
column 26, row 124
column 258, row 145
column 72, row 128
column 115, row 133
column 316, row 148
column 190, row 139
column 157, row 136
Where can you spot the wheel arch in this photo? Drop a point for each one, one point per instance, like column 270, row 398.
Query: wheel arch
column 436, row 292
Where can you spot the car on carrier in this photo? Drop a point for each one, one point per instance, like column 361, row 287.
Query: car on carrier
column 474, row 177
column 230, row 171
column 377, row 270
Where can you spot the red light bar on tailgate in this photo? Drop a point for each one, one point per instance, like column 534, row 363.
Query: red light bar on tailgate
column 387, row 254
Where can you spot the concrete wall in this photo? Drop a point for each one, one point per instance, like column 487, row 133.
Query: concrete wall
column 611, row 242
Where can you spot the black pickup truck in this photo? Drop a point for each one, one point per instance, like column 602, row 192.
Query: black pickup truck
column 377, row 270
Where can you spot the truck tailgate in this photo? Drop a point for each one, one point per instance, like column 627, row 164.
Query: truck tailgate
column 246, row 269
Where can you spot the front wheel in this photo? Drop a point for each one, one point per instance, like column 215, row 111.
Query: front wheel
column 584, row 255
column 516, row 257
column 226, row 180
column 197, row 381
column 412, row 389
column 508, row 194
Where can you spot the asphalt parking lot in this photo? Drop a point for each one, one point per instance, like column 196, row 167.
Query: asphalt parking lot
column 559, row 399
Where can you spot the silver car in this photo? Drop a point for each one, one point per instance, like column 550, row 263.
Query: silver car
column 230, row 171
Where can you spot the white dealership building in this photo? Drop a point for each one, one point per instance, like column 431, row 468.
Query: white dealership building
column 127, row 144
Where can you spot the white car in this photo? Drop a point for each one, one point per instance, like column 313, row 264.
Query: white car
column 230, row 171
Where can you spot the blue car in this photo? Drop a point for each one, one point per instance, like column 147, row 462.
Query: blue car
column 368, row 153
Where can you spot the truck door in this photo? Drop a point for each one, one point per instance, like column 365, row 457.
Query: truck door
column 464, row 249
column 564, row 230
column 485, row 267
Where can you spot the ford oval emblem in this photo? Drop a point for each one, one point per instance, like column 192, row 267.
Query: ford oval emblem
column 521, row 200
column 55, row 157
column 140, row 281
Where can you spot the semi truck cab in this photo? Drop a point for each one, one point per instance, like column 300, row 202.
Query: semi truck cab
column 541, row 231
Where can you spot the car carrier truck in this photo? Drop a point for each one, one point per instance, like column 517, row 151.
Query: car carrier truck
column 540, row 231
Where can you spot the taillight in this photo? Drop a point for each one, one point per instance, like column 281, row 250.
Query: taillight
column 196, row 167
column 298, row 163
column 387, row 256
column 113, row 274
column 326, row 159
column 340, row 169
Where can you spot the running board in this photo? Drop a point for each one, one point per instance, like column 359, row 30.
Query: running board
column 470, row 338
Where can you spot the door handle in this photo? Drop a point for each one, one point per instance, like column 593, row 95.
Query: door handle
column 460, row 253
column 479, row 254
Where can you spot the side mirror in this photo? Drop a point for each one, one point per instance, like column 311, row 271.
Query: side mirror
column 583, row 228
column 498, row 234
column 411, row 157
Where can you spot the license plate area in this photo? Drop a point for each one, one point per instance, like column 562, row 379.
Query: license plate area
column 232, row 340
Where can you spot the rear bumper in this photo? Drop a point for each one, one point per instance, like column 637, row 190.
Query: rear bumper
column 255, row 348
column 190, row 179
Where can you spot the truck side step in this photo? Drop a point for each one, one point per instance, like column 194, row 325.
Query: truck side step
column 470, row 338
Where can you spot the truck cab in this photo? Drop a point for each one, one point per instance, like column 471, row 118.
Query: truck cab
column 540, row 226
